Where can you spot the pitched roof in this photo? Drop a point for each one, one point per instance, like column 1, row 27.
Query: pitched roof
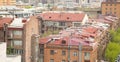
column 63, row 16
column 5, row 20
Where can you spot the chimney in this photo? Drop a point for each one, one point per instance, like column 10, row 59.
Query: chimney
column 24, row 20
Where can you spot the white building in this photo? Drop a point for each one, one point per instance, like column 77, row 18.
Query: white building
column 7, row 58
column 3, row 52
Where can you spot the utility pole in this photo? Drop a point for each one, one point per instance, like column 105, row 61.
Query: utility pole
column 80, row 52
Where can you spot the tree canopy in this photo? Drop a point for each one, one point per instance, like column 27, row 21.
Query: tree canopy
column 113, row 48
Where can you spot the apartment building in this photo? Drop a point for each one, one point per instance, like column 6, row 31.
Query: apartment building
column 19, row 36
column 85, row 43
column 7, row 2
column 63, row 19
column 3, row 28
column 111, row 8
column 7, row 58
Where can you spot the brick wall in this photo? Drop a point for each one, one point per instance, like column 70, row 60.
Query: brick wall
column 30, row 28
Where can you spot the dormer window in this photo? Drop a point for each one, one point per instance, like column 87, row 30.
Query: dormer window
column 63, row 42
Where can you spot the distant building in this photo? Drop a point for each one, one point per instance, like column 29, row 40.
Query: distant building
column 111, row 8
column 64, row 19
column 7, row 2
column 15, row 12
column 7, row 58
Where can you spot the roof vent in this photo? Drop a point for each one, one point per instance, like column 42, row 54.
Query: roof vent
column 50, row 17
column 68, row 18
column 63, row 42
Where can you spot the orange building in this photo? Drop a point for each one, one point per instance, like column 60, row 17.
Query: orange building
column 111, row 8
column 7, row 2
column 86, row 43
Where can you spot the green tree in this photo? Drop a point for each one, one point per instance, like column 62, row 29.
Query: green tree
column 112, row 51
column 113, row 48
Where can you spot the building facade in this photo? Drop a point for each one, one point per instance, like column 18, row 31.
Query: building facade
column 63, row 20
column 19, row 36
column 85, row 43
column 3, row 27
column 111, row 8
column 7, row 2
column 7, row 58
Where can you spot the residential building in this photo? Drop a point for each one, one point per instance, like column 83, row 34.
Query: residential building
column 111, row 8
column 85, row 43
column 19, row 36
column 63, row 19
column 7, row 2
column 7, row 58
column 3, row 28
column 15, row 12
column 91, row 3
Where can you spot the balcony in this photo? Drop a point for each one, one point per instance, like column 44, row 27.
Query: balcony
column 14, row 36
column 17, row 36
column 17, row 47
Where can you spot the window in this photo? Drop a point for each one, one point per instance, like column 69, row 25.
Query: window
column 51, row 60
column 87, row 56
column 106, row 8
column 61, row 23
column 17, row 42
column 63, row 52
column 63, row 61
column 41, row 51
column 18, row 51
column 63, row 42
column 52, row 52
column 77, row 24
column 88, row 1
column 75, row 61
column 17, row 32
column 74, row 53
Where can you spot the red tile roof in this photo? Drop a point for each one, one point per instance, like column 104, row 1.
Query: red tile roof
column 78, row 17
column 91, row 29
column 5, row 20
column 44, row 40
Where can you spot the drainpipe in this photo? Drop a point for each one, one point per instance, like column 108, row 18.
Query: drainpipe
column 80, row 52
column 5, row 31
column 35, row 48
column 69, row 46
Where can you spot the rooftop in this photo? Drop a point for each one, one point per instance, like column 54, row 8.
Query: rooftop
column 5, row 20
column 18, row 23
column 63, row 16
column 85, row 34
